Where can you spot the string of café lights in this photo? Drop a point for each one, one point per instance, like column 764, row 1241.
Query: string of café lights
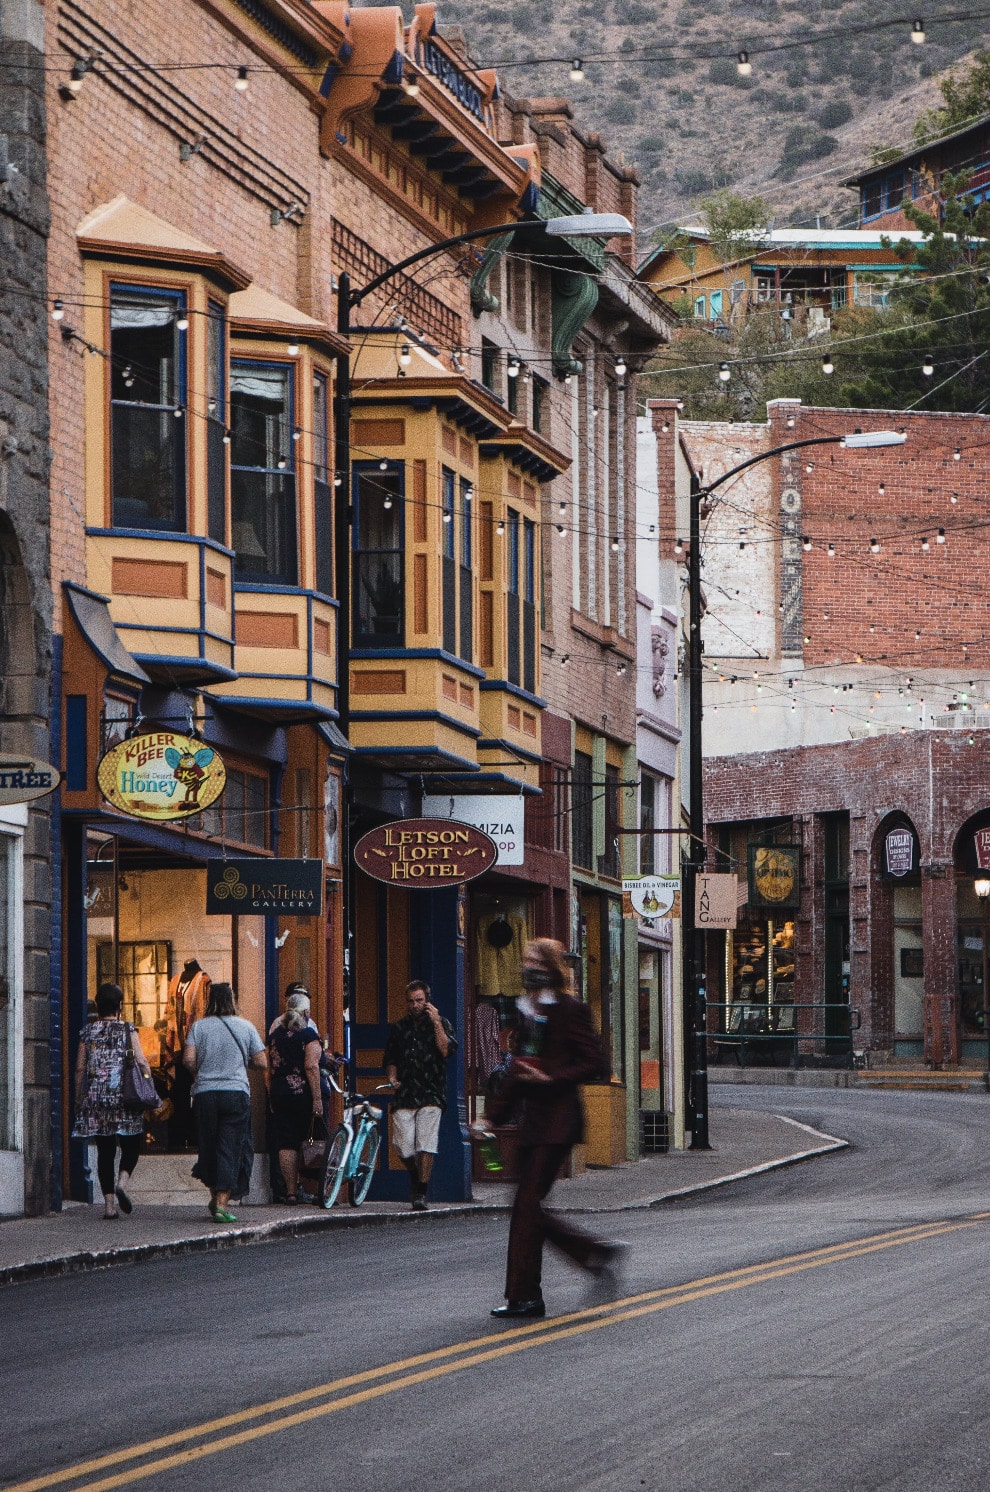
column 560, row 527
column 745, row 47
column 587, row 658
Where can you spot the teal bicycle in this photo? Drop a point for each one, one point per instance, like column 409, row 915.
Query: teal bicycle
column 353, row 1148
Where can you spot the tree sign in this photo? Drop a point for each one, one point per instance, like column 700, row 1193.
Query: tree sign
column 22, row 780
column 161, row 775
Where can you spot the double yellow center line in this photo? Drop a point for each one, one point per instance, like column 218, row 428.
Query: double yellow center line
column 211, row 1437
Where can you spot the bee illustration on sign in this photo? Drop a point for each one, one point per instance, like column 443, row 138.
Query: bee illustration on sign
column 189, row 768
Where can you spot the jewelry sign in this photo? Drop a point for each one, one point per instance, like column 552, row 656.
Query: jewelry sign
column 423, row 854
column 981, row 846
column 161, row 775
column 267, row 888
column 899, row 852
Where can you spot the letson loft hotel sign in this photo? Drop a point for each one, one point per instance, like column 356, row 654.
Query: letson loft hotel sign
column 425, row 853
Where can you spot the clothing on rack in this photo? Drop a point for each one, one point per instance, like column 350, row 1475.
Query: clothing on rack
column 499, row 956
column 486, row 1039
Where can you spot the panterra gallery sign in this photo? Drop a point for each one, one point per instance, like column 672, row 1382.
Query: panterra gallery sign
column 161, row 775
column 22, row 780
column 266, row 888
column 425, row 853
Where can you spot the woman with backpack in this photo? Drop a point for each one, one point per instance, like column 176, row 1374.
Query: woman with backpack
column 101, row 1114
column 219, row 1050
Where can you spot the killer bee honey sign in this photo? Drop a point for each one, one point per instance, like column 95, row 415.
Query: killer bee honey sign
column 161, row 775
column 775, row 875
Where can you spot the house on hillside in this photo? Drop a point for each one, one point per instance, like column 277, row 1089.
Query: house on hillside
column 805, row 274
column 884, row 188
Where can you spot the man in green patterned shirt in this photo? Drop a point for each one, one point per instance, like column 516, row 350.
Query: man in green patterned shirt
column 415, row 1066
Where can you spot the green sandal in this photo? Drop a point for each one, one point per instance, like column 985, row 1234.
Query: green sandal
column 221, row 1215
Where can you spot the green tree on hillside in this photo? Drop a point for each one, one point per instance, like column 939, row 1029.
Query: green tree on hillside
column 967, row 97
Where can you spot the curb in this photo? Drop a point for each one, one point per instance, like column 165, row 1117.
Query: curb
column 213, row 1243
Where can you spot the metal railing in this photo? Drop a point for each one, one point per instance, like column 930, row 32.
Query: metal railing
column 790, row 1029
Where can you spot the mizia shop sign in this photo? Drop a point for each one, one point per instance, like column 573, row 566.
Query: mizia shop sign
column 423, row 854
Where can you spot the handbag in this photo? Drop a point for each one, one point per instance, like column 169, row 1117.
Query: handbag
column 313, row 1152
column 137, row 1089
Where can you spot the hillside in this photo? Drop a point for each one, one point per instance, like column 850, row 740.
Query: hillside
column 809, row 114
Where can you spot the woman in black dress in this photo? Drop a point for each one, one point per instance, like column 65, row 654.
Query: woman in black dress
column 294, row 1051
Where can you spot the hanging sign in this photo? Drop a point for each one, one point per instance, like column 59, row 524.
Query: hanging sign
column 423, row 854
column 981, row 844
column 899, row 852
column 652, row 897
column 22, row 780
column 161, row 775
column 268, row 888
column 716, row 901
column 775, row 875
column 501, row 818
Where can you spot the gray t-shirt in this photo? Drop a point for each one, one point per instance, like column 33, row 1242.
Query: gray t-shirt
column 224, row 1045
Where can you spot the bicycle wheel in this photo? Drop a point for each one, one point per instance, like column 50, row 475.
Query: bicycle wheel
column 363, row 1167
column 334, row 1166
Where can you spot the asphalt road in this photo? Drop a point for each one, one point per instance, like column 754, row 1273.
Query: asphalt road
column 822, row 1327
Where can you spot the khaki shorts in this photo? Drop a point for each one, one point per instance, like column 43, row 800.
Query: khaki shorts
column 416, row 1131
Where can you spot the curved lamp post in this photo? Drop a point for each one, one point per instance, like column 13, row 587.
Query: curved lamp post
column 695, row 996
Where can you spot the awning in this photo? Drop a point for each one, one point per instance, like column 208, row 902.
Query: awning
column 92, row 612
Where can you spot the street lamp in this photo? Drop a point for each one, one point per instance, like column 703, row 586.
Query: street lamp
column 695, row 996
column 982, row 888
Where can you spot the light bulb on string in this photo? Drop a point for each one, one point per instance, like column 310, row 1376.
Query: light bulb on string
column 281, row 463
column 293, row 349
column 827, row 364
column 178, row 411
column 810, row 467
column 513, row 369
column 560, row 529
column 620, row 367
column 383, row 466
column 956, row 455
column 615, row 545
column 882, row 489
column 388, row 502
column 297, row 433
column 743, row 65
column 576, row 73
column 226, row 437
column 405, row 355
column 678, row 546
column 806, row 544
column 874, row 546
column 500, row 526
column 80, row 68
column 724, row 372
column 928, row 367
column 241, row 81
column 925, row 545
column 182, row 321
column 940, row 536
column 790, row 422
column 338, row 480
column 58, row 310
column 918, row 33
column 831, row 551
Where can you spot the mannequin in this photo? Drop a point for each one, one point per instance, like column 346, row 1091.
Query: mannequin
column 188, row 994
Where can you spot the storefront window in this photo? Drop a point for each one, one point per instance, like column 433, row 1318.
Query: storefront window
column 760, row 959
column 971, row 946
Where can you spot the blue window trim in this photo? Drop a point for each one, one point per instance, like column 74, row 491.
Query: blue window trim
column 502, row 686
column 439, row 653
column 290, row 454
column 358, row 470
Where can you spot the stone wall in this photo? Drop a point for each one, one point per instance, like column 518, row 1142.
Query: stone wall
column 25, row 587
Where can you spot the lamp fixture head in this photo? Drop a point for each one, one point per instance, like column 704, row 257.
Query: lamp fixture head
column 982, row 887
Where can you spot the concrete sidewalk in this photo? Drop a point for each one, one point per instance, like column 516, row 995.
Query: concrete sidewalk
column 744, row 1143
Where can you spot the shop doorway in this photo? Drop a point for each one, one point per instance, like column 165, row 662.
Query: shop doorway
column 146, row 929
column 972, row 864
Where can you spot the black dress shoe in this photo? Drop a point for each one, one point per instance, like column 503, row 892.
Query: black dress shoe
column 520, row 1308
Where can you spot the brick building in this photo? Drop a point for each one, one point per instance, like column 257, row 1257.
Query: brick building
column 29, row 979
column 194, row 367
column 847, row 700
